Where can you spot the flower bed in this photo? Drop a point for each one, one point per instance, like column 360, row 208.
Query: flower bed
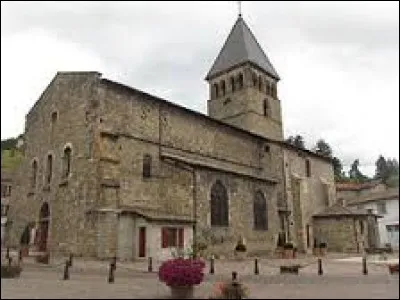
column 292, row 269
column 181, row 272
column 11, row 271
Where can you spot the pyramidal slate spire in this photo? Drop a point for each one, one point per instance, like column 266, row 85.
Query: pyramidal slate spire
column 240, row 47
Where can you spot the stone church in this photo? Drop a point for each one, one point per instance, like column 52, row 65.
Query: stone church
column 112, row 170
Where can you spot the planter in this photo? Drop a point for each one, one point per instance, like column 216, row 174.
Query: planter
column 24, row 251
column 279, row 252
column 394, row 268
column 240, row 254
column 290, row 269
column 288, row 253
column 43, row 259
column 182, row 292
column 322, row 251
column 10, row 271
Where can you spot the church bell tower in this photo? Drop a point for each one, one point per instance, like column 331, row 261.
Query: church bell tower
column 243, row 85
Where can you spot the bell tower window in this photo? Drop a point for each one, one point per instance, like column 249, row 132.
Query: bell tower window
column 223, row 88
column 240, row 81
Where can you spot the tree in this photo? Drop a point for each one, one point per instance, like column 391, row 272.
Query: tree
column 8, row 144
column 337, row 168
column 381, row 170
column 355, row 174
column 387, row 170
column 323, row 148
column 297, row 141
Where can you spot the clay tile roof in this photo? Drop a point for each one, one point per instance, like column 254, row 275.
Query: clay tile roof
column 391, row 193
column 241, row 46
column 339, row 210
column 156, row 214
column 352, row 186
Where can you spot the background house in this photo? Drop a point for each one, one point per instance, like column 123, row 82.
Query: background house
column 380, row 200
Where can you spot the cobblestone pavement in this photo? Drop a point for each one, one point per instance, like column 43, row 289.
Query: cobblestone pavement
column 88, row 279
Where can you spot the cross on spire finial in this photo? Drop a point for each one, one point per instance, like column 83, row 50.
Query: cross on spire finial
column 240, row 8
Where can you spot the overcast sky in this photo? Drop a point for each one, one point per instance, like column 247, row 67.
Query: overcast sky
column 339, row 61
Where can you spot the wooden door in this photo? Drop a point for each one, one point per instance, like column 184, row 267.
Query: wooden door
column 142, row 242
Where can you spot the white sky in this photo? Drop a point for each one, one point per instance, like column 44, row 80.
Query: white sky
column 339, row 61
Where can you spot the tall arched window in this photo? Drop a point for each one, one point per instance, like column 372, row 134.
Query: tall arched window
column 146, row 166
column 265, row 107
column 67, row 161
column 49, row 173
column 260, row 83
column 34, row 173
column 240, row 81
column 267, row 88
column 273, row 90
column 260, row 212
column 308, row 168
column 223, row 88
column 219, row 205
column 232, row 80
column 254, row 79
column 216, row 90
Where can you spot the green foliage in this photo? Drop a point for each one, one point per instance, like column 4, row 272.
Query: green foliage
column 11, row 158
column 240, row 247
column 323, row 148
column 355, row 174
column 297, row 141
column 387, row 170
column 9, row 144
column 337, row 169
column 288, row 245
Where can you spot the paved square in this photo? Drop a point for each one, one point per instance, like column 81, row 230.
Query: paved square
column 89, row 280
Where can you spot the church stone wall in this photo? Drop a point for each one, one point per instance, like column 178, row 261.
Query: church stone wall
column 68, row 95
column 315, row 192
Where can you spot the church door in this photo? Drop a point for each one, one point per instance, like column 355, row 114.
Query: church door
column 43, row 231
column 142, row 242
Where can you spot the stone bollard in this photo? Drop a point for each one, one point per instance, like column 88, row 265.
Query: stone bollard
column 113, row 267
column 256, row 270
column 150, row 265
column 111, row 273
column 236, row 287
column 212, row 265
column 20, row 256
column 364, row 266
column 70, row 260
column 320, row 271
column 66, row 270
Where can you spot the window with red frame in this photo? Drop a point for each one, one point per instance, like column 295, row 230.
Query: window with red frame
column 172, row 237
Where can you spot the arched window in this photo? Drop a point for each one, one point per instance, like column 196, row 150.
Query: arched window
column 260, row 83
column 54, row 117
column 146, row 166
column 240, row 81
column 49, row 173
column 223, row 88
column 308, row 168
column 34, row 173
column 273, row 90
column 265, row 107
column 267, row 88
column 216, row 90
column 232, row 80
column 219, row 205
column 254, row 79
column 67, row 161
column 260, row 212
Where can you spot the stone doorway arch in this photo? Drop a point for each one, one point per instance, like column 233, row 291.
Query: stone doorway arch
column 43, row 230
